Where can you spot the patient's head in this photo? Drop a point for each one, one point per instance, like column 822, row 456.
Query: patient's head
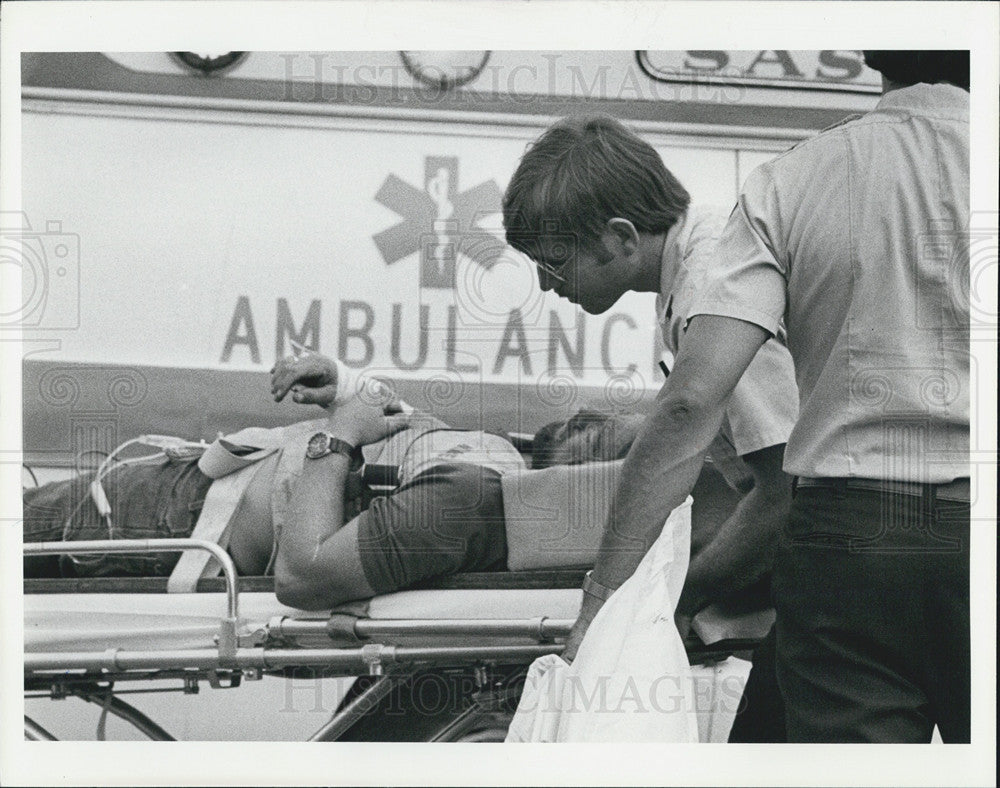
column 588, row 436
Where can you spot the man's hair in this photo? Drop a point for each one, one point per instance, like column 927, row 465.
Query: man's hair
column 580, row 173
column 542, row 445
column 910, row 66
column 613, row 436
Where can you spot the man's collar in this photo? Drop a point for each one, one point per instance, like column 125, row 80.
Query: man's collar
column 670, row 258
column 924, row 98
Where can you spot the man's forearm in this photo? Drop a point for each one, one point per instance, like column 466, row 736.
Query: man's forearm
column 743, row 549
column 659, row 472
column 657, row 476
column 741, row 553
column 666, row 458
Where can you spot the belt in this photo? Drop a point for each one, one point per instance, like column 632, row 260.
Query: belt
column 956, row 490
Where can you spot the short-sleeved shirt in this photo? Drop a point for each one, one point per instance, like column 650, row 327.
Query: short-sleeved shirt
column 855, row 240
column 447, row 514
column 448, row 518
column 765, row 403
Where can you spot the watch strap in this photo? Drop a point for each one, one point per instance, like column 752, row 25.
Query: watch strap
column 595, row 589
column 338, row 446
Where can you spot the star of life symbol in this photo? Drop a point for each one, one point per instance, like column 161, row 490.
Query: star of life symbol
column 440, row 222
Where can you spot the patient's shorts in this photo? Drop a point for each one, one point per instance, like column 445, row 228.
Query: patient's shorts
column 448, row 519
column 160, row 499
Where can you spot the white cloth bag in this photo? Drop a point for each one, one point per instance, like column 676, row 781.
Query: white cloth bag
column 630, row 681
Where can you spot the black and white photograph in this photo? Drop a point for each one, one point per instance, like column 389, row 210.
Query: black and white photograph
column 395, row 374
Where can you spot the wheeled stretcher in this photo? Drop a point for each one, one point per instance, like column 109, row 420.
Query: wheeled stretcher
column 93, row 638
column 472, row 634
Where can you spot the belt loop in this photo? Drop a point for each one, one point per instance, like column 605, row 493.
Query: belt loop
column 795, row 485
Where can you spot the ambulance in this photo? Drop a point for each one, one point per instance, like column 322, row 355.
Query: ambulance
column 188, row 218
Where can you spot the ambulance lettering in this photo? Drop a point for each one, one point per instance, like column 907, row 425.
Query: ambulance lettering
column 357, row 324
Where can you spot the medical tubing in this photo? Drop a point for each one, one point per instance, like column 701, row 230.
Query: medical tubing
column 97, row 494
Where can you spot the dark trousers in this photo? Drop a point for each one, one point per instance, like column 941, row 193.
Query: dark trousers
column 872, row 595
column 161, row 499
column 760, row 718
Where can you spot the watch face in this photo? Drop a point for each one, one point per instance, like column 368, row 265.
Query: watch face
column 318, row 446
column 445, row 70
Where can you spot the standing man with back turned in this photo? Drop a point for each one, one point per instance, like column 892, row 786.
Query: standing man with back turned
column 842, row 237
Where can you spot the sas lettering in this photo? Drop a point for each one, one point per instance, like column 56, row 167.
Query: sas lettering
column 838, row 65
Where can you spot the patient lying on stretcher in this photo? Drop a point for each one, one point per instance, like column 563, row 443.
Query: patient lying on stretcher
column 447, row 515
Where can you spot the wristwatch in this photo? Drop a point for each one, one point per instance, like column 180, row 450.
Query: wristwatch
column 323, row 443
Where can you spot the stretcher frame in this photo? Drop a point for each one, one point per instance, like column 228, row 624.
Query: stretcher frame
column 244, row 651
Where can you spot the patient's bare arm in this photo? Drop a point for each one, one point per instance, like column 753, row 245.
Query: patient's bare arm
column 318, row 563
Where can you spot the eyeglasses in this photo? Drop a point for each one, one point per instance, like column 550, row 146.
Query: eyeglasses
column 551, row 271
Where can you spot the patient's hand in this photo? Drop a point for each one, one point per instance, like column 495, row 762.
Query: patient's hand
column 311, row 378
column 362, row 420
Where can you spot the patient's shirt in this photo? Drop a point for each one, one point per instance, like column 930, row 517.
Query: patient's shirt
column 447, row 514
column 424, row 446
